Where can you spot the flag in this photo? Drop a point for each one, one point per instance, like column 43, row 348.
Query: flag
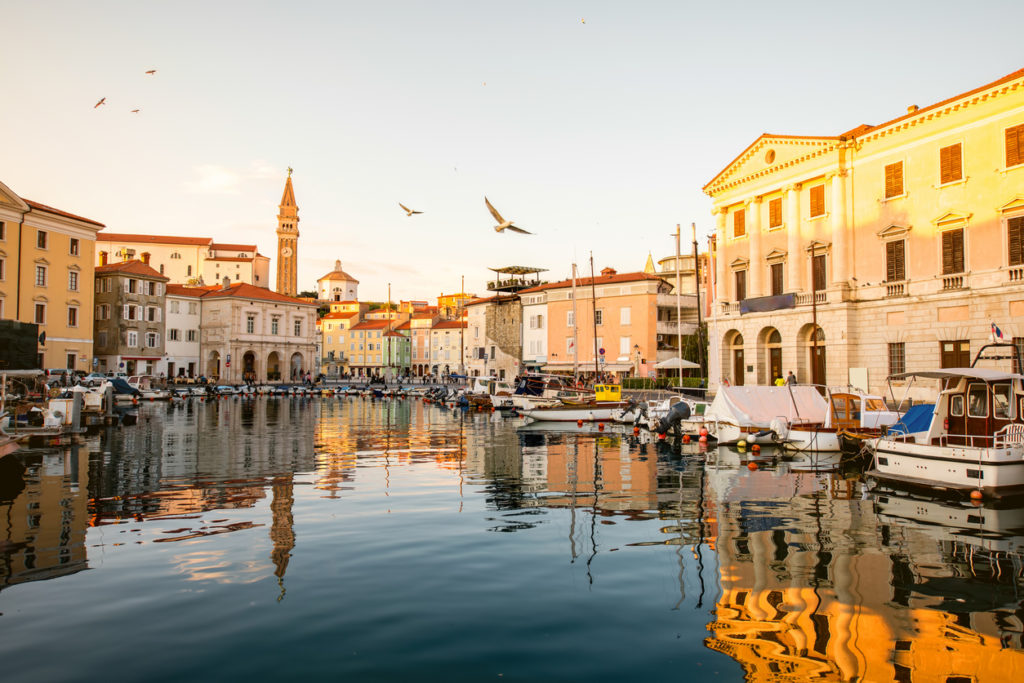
column 996, row 332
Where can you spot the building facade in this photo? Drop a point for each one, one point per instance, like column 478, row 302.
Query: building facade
column 447, row 343
column 46, row 275
column 193, row 261
column 253, row 334
column 337, row 286
column 494, row 337
column 535, row 329
column 182, row 323
column 883, row 249
column 129, row 312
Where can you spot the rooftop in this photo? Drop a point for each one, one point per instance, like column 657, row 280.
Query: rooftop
column 151, row 239
column 49, row 209
column 132, row 267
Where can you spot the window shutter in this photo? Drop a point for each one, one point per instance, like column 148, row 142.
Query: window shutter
column 953, row 252
column 775, row 212
column 894, row 180
column 818, row 200
column 124, row 312
column 1014, row 145
column 950, row 164
column 739, row 223
column 818, row 267
column 895, row 270
column 1014, row 227
column 126, row 290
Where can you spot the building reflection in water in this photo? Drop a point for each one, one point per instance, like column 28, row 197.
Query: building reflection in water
column 819, row 581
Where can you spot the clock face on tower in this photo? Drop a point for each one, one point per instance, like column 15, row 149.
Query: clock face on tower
column 286, row 252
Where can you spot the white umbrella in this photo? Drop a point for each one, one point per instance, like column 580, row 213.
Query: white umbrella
column 675, row 364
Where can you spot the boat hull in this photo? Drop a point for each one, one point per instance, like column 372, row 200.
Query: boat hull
column 995, row 471
column 587, row 413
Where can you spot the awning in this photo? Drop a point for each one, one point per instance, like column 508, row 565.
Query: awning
column 984, row 374
column 674, row 364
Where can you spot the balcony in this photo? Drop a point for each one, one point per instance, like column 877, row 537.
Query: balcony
column 675, row 329
column 669, row 300
column 1016, row 274
column 820, row 297
column 952, row 282
column 895, row 289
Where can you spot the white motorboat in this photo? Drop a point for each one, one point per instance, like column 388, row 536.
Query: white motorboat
column 975, row 440
column 847, row 410
column 608, row 400
column 148, row 391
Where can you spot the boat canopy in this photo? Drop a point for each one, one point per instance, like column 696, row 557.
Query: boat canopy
column 984, row 374
column 757, row 406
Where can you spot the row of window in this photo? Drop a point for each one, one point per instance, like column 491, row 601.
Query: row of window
column 43, row 240
column 275, row 325
column 175, row 335
column 152, row 339
column 954, row 353
column 950, row 170
column 625, row 345
column 625, row 316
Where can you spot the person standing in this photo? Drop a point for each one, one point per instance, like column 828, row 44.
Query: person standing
column 790, row 378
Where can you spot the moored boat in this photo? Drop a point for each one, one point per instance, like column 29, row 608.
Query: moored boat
column 608, row 400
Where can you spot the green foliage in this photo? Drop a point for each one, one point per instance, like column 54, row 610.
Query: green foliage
column 308, row 294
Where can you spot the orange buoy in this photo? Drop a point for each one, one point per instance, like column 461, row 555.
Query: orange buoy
column 686, row 438
column 703, row 431
column 636, row 431
column 600, row 426
column 976, row 494
column 579, row 423
column 751, row 466
column 755, row 448
column 661, row 436
column 703, row 438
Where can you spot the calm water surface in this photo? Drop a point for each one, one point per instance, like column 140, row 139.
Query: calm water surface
column 353, row 539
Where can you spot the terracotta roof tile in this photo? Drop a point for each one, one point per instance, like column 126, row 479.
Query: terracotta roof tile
column 151, row 239
column 133, row 267
column 243, row 290
column 233, row 247
column 230, row 258
column 450, row 325
column 338, row 316
column 371, row 325
column 185, row 290
column 43, row 207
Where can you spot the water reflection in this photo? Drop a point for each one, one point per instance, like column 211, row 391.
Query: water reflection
column 791, row 571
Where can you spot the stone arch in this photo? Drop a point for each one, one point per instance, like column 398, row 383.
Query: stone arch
column 296, row 371
column 733, row 360
column 249, row 366
column 807, row 350
column 273, row 367
column 769, row 355
column 213, row 365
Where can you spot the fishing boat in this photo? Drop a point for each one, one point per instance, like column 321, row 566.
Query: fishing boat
column 536, row 390
column 975, row 440
column 850, row 414
column 608, row 399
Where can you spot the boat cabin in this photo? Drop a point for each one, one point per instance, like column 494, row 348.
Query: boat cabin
column 977, row 408
column 851, row 410
column 608, row 392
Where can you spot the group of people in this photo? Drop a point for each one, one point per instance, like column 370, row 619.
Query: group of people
column 781, row 381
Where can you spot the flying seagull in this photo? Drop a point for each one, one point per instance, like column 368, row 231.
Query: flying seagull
column 135, row 111
column 408, row 211
column 102, row 101
column 151, row 72
column 502, row 223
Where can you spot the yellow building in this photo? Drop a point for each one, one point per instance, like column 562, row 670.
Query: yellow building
column 46, row 277
column 902, row 239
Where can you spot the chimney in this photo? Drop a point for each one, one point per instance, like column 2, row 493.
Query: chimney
column 103, row 258
column 608, row 271
column 912, row 109
column 227, row 283
column 145, row 257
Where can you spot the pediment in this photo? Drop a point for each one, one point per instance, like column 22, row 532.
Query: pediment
column 1015, row 204
column 739, row 264
column 817, row 247
column 8, row 198
column 775, row 255
column 893, row 231
column 951, row 219
column 768, row 153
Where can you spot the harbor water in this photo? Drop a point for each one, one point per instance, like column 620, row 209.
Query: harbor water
column 355, row 539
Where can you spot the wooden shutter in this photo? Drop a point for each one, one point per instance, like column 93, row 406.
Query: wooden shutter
column 818, row 200
column 894, row 180
column 739, row 223
column 776, row 279
column 775, row 212
column 1014, row 228
column 953, row 252
column 818, row 268
column 950, row 164
column 895, row 268
column 741, row 285
column 1014, row 145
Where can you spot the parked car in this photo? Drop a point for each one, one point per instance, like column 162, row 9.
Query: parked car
column 94, row 379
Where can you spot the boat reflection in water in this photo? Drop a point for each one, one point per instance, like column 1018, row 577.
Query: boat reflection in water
column 372, row 522
column 821, row 580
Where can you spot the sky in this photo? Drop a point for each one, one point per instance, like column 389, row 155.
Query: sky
column 594, row 125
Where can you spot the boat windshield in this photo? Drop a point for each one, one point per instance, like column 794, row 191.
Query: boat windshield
column 874, row 404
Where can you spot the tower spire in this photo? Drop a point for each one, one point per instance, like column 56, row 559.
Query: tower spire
column 288, row 240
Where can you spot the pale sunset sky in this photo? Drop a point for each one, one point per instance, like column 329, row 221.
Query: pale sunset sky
column 592, row 124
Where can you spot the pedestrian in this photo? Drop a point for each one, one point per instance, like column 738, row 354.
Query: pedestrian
column 780, row 381
column 790, row 378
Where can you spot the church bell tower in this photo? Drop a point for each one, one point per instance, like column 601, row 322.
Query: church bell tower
column 288, row 241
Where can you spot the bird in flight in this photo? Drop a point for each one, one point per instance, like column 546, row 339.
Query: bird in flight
column 408, row 211
column 502, row 223
column 102, row 101
column 135, row 111
column 151, row 72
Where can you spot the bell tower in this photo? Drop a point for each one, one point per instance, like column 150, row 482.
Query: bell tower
column 287, row 241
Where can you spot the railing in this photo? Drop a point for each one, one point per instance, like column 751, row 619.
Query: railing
column 675, row 329
column 1010, row 435
column 805, row 299
column 895, row 289
column 1016, row 274
column 952, row 282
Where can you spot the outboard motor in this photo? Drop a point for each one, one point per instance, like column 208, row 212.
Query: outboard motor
column 678, row 413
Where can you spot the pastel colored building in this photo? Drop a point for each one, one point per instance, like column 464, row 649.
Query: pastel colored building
column 129, row 324
column 624, row 322
column 182, row 320
column 366, row 347
column 882, row 249
column 46, row 277
column 447, row 341
column 187, row 260
column 337, row 286
column 420, row 325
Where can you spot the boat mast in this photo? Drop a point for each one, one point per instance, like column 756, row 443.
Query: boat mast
column 462, row 342
column 593, row 306
column 575, row 337
column 679, row 315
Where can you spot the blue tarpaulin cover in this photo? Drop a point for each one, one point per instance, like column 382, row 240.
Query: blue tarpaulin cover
column 917, row 419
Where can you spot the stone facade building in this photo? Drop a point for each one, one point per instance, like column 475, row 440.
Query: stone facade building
column 885, row 248
column 129, row 325
column 494, row 337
